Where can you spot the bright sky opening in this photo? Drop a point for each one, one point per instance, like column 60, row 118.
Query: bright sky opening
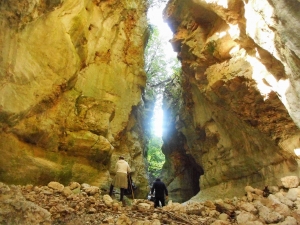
column 155, row 17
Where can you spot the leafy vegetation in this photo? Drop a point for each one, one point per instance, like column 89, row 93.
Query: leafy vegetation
column 160, row 70
column 155, row 157
column 211, row 47
column 158, row 66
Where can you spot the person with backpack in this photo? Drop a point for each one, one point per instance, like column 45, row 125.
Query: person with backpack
column 121, row 177
column 160, row 190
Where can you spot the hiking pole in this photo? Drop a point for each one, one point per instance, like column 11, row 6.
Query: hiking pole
column 130, row 183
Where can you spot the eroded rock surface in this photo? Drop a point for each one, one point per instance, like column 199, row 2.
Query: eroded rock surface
column 71, row 81
column 239, row 116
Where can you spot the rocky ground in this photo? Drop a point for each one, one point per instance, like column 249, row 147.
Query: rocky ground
column 84, row 204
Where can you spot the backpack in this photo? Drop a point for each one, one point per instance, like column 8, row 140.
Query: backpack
column 131, row 187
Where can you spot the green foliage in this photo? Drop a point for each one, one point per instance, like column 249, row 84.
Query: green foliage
column 155, row 157
column 158, row 66
column 211, row 46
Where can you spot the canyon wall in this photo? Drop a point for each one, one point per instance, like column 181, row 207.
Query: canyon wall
column 72, row 76
column 234, row 112
column 71, row 82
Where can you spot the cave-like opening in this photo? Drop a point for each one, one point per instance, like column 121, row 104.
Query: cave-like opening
column 163, row 69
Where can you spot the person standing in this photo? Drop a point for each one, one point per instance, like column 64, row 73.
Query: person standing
column 121, row 177
column 160, row 190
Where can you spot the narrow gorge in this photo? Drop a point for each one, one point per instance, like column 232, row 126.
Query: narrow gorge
column 72, row 94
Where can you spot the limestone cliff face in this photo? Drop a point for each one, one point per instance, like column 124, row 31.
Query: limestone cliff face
column 239, row 118
column 71, row 80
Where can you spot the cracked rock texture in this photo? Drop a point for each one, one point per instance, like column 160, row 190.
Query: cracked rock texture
column 71, row 77
column 235, row 117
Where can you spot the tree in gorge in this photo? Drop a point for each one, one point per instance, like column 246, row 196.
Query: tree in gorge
column 160, row 70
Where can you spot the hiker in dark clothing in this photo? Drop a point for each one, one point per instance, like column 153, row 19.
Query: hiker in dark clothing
column 160, row 190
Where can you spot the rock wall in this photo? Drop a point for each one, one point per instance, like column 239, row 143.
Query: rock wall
column 71, row 81
column 239, row 116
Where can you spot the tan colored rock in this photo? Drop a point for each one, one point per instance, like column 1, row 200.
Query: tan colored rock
column 220, row 222
column 109, row 220
column 209, row 204
column 289, row 221
column 258, row 192
column 67, row 191
column 107, row 200
column 15, row 208
column 156, row 222
column 123, row 220
column 92, row 190
column 143, row 206
column 196, row 208
column 92, row 210
column 249, row 189
column 212, row 213
column 74, row 185
column 223, row 216
column 254, row 223
column 246, row 206
column 273, row 189
column 56, row 186
column 154, row 215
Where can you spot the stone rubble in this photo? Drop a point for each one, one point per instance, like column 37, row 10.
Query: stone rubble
column 84, row 204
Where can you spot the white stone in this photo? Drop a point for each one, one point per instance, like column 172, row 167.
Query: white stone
column 84, row 186
column 292, row 194
column 289, row 221
column 284, row 200
column 243, row 217
column 270, row 217
column 275, row 204
column 290, row 181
